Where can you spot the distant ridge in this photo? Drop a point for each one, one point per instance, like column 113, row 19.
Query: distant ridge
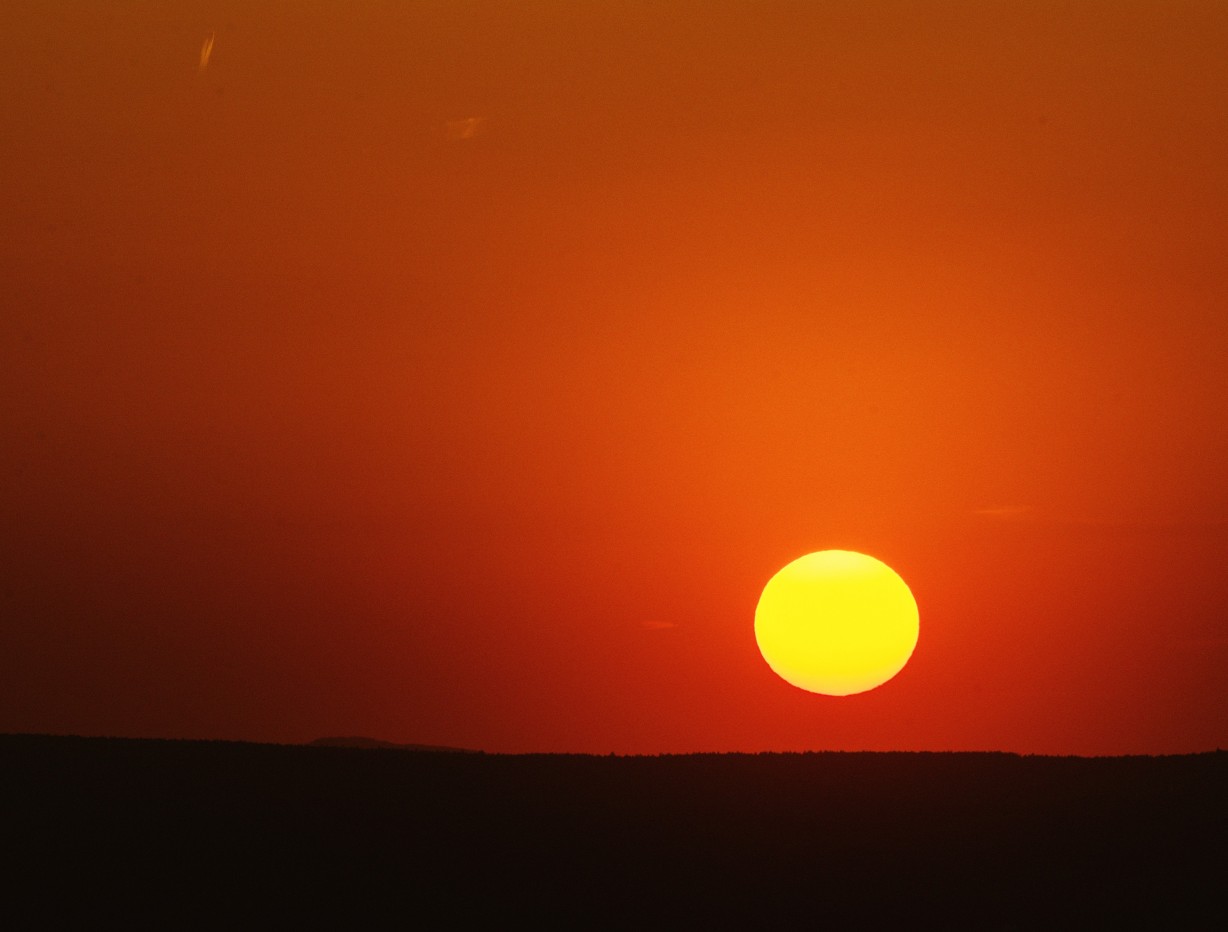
column 155, row 830
column 369, row 743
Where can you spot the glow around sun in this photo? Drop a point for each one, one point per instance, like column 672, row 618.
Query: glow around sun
column 836, row 622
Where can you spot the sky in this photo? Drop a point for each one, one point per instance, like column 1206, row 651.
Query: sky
column 458, row 373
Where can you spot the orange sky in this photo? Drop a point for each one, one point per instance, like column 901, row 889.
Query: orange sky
column 458, row 373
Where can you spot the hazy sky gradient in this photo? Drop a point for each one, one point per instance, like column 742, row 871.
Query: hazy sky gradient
column 458, row 373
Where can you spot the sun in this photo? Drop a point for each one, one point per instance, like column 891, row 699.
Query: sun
column 836, row 622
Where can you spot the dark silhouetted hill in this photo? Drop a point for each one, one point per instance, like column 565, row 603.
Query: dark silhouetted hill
column 185, row 833
column 360, row 742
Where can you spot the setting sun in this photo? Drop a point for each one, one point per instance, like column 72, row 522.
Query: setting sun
column 836, row 622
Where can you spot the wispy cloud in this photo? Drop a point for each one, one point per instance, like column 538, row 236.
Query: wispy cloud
column 1004, row 512
column 464, row 128
column 206, row 51
column 1025, row 514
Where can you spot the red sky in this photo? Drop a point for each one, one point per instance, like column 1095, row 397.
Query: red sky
column 458, row 373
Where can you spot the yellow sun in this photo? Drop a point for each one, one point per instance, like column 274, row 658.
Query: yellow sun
column 836, row 622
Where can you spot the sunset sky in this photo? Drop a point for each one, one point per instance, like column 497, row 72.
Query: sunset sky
column 459, row 372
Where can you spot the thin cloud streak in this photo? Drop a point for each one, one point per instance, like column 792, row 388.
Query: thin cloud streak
column 206, row 51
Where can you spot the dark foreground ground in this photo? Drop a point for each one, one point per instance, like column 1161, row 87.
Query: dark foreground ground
column 245, row 834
